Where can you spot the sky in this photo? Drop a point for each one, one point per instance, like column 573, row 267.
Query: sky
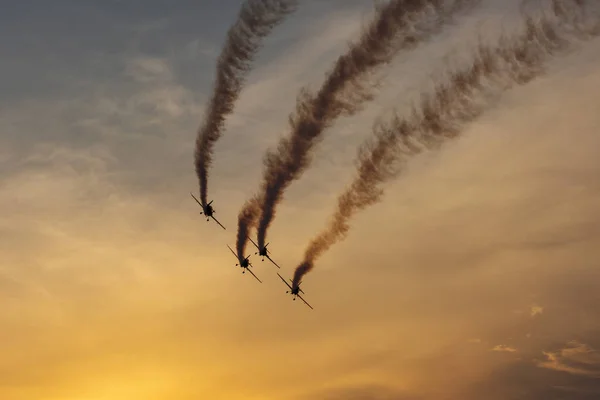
column 476, row 277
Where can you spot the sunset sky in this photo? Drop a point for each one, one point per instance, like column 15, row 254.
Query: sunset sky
column 477, row 276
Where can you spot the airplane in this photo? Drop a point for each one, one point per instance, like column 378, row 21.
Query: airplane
column 264, row 252
column 245, row 264
column 208, row 211
column 295, row 292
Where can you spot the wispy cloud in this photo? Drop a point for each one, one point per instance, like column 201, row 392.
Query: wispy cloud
column 501, row 348
column 148, row 69
column 577, row 359
column 536, row 310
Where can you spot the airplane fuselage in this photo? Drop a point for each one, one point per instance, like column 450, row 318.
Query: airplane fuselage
column 295, row 292
column 208, row 211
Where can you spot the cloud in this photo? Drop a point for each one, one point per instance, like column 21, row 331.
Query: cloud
column 157, row 96
column 522, row 380
column 148, row 69
column 536, row 310
column 504, row 349
column 576, row 358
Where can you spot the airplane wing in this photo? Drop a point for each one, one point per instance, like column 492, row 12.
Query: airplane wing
column 197, row 200
column 254, row 275
column 218, row 222
column 270, row 259
column 255, row 245
column 305, row 302
column 288, row 285
column 232, row 252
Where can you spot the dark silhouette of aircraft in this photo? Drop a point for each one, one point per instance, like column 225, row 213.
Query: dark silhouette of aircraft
column 244, row 264
column 207, row 210
column 264, row 252
column 295, row 291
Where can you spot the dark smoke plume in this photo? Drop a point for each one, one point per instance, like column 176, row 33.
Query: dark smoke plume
column 398, row 25
column 246, row 220
column 256, row 20
column 440, row 116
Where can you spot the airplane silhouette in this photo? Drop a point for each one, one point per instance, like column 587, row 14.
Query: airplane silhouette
column 264, row 252
column 208, row 210
column 295, row 291
column 245, row 264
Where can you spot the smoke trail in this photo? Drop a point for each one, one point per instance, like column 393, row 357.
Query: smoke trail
column 440, row 116
column 398, row 25
column 256, row 20
column 246, row 220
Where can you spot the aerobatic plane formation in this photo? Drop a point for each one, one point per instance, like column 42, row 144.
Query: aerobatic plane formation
column 439, row 114
column 244, row 262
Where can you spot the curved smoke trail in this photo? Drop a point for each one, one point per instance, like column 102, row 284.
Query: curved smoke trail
column 441, row 115
column 256, row 20
column 398, row 25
